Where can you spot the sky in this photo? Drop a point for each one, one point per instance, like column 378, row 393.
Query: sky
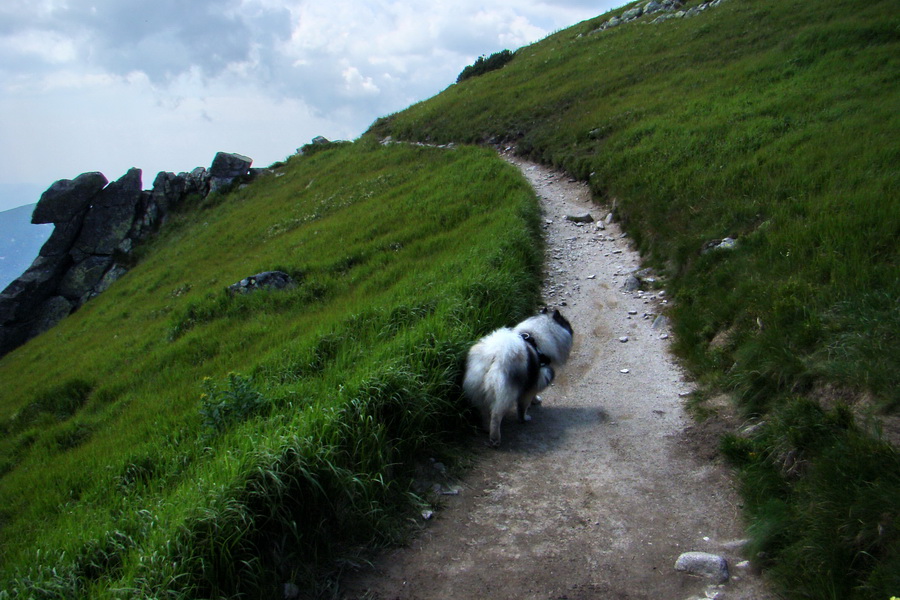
column 162, row 85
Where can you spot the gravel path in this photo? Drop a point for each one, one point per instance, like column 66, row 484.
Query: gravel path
column 609, row 483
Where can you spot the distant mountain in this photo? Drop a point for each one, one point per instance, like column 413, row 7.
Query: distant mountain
column 20, row 242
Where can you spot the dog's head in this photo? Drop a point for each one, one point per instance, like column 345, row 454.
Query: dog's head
column 559, row 319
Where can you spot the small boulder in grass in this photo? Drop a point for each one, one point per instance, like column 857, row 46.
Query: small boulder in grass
column 278, row 280
column 704, row 564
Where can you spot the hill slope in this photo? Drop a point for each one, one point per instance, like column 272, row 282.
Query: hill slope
column 169, row 438
column 773, row 125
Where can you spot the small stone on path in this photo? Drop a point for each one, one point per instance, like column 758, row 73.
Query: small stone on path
column 708, row 565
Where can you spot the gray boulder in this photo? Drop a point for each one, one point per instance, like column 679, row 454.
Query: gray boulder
column 632, row 284
column 226, row 168
column 22, row 303
column 65, row 204
column 60, row 241
column 33, row 287
column 146, row 220
column 723, row 244
column 704, row 564
column 67, row 198
column 267, row 280
column 110, row 217
column 168, row 190
column 80, row 280
column 632, row 14
column 196, row 182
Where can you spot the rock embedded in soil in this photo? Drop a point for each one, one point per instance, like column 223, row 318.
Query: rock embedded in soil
column 580, row 218
column 278, row 280
column 632, row 284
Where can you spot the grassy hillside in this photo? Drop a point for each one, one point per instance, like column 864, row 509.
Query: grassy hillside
column 771, row 122
column 775, row 124
column 171, row 440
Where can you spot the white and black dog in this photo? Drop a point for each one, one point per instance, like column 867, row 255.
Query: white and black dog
column 510, row 366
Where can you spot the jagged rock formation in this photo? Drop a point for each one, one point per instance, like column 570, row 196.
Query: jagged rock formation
column 670, row 9
column 96, row 227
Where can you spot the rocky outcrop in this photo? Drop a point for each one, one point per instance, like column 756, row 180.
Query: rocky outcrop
column 668, row 9
column 97, row 225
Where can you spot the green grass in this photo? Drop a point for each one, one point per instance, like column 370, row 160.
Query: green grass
column 774, row 123
column 822, row 497
column 171, row 440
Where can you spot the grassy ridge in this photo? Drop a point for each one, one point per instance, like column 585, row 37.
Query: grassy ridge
column 169, row 439
column 774, row 123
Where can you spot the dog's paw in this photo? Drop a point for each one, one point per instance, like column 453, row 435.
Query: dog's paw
column 537, row 401
column 492, row 444
column 525, row 419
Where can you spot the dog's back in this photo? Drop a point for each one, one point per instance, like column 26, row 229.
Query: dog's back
column 552, row 333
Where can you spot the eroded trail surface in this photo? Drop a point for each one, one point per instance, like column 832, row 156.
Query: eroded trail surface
column 608, row 484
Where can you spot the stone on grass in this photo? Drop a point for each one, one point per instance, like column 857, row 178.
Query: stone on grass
column 266, row 280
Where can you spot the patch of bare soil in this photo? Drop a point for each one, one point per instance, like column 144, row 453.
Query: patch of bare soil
column 609, row 483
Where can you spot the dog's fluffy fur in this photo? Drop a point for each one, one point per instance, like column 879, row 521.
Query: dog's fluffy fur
column 508, row 367
column 552, row 334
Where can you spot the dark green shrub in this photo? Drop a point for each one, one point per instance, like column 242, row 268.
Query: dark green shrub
column 483, row 65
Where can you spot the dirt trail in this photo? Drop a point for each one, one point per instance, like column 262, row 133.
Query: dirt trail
column 608, row 484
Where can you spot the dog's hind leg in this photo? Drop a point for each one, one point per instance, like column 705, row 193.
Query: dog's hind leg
column 485, row 414
column 496, row 420
column 524, row 402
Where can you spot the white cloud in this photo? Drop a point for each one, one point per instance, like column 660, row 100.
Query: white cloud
column 49, row 46
column 357, row 85
column 109, row 84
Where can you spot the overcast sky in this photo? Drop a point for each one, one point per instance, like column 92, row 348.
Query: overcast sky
column 105, row 85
